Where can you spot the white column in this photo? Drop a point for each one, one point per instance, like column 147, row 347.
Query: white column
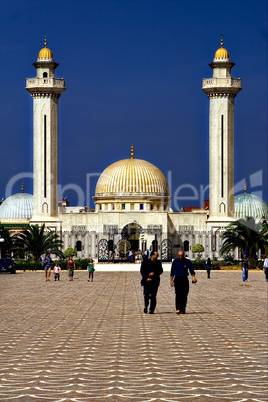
column 86, row 245
column 65, row 240
column 93, row 245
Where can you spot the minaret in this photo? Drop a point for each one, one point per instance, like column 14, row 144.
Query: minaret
column 45, row 90
column 221, row 91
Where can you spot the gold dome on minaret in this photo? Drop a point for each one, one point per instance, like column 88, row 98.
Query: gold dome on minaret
column 45, row 53
column 221, row 53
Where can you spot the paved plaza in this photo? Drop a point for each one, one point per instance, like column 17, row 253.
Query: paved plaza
column 82, row 341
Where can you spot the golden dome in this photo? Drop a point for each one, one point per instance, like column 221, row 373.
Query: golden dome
column 221, row 53
column 45, row 53
column 132, row 177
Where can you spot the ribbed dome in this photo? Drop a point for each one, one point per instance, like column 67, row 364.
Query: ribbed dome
column 45, row 53
column 132, row 176
column 249, row 205
column 17, row 206
column 221, row 53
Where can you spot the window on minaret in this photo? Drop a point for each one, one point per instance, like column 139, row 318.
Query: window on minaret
column 123, row 206
column 45, row 75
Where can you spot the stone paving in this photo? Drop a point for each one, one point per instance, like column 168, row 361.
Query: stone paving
column 82, row 341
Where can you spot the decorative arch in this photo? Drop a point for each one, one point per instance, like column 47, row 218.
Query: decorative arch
column 222, row 207
column 78, row 245
column 186, row 246
column 45, row 208
column 132, row 232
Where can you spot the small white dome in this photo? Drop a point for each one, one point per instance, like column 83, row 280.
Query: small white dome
column 17, row 206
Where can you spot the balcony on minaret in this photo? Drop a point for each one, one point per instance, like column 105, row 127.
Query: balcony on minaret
column 221, row 84
column 45, row 82
column 45, row 85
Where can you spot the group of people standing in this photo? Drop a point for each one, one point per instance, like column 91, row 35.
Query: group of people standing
column 134, row 256
column 47, row 263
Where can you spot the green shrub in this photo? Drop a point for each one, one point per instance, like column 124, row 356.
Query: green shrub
column 81, row 263
column 216, row 265
column 28, row 265
column 199, row 264
column 70, row 252
column 229, row 259
column 31, row 265
column 62, row 264
column 253, row 263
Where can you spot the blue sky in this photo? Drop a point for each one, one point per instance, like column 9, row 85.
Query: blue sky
column 133, row 72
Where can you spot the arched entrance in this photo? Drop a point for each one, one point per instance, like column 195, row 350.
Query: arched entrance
column 132, row 232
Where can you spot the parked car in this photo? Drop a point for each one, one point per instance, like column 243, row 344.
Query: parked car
column 7, row 265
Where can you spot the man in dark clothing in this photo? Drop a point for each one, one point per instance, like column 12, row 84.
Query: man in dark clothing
column 245, row 266
column 179, row 279
column 151, row 269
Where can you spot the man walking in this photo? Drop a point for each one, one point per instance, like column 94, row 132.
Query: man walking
column 179, row 278
column 151, row 269
column 245, row 266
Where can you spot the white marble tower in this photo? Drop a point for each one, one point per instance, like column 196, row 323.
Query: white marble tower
column 221, row 91
column 45, row 90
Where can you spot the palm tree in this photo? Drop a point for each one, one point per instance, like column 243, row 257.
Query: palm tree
column 35, row 241
column 245, row 235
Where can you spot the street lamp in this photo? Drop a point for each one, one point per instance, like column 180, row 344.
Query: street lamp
column 1, row 241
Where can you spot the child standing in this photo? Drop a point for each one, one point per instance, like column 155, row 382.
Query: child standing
column 90, row 269
column 57, row 269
